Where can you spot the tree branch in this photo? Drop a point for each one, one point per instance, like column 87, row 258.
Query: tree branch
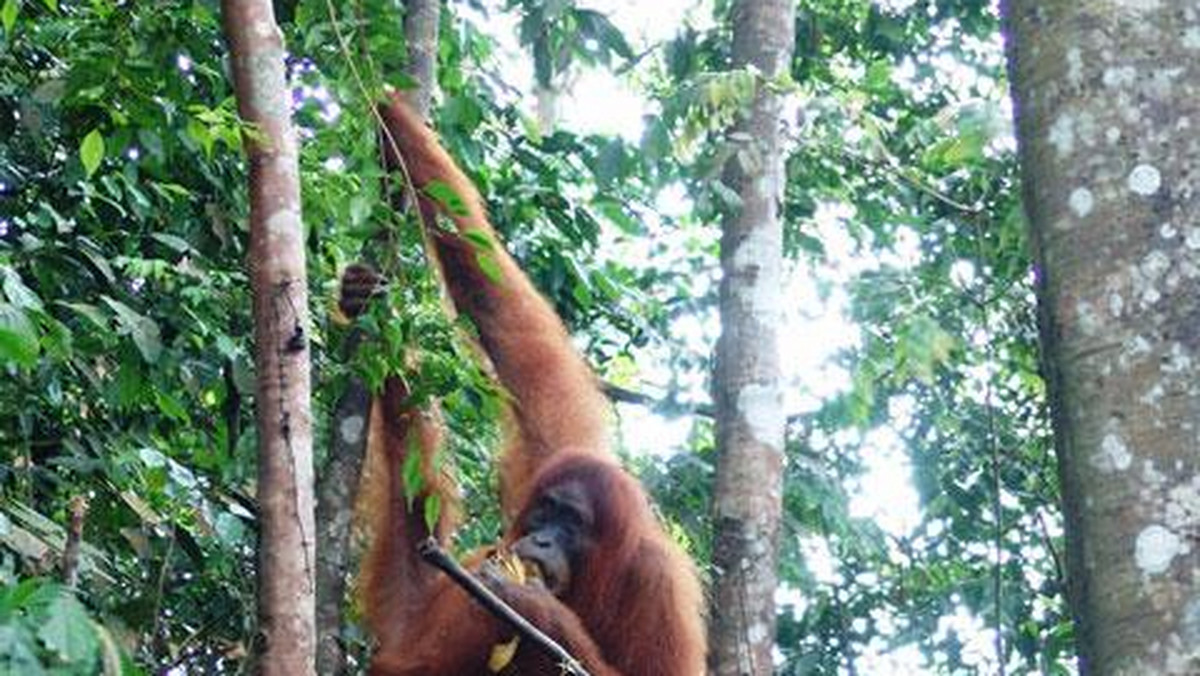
column 436, row 556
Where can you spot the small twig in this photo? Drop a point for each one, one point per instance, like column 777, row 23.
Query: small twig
column 70, row 556
column 433, row 554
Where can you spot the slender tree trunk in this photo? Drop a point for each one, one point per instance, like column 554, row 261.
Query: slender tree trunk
column 1108, row 103
column 749, row 393
column 279, row 284
column 421, row 34
column 339, row 483
column 337, row 492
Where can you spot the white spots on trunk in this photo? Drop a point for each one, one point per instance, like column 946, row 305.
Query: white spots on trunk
column 1182, row 507
column 1192, row 240
column 763, row 290
column 761, row 406
column 1062, row 136
column 1189, row 625
column 1074, row 66
column 1116, row 304
column 1133, row 350
column 1161, row 83
column 1112, row 135
column 263, row 29
column 351, row 429
column 1147, row 275
column 1081, row 202
column 1153, row 396
column 1114, row 455
column 1144, row 180
column 1153, row 478
column 1155, row 264
column 1119, row 77
column 1156, row 547
column 1167, row 231
column 1089, row 319
column 1191, row 38
column 283, row 224
column 756, row 633
column 1137, row 5
column 1178, row 361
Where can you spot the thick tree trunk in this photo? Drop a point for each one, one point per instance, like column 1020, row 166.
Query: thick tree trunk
column 1108, row 101
column 749, row 394
column 279, row 284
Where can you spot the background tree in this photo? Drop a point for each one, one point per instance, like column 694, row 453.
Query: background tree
column 1114, row 220
column 748, row 495
column 279, row 285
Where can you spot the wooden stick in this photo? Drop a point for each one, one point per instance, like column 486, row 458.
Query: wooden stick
column 433, row 554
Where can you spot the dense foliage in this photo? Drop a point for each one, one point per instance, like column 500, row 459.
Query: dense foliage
column 125, row 329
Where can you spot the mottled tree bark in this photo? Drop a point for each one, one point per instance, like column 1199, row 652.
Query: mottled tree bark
column 1108, row 103
column 421, row 34
column 747, row 382
column 337, row 491
column 279, row 285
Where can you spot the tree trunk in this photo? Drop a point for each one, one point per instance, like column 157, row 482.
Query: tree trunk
column 279, row 285
column 337, row 491
column 1108, row 99
column 421, row 35
column 747, row 382
column 338, row 486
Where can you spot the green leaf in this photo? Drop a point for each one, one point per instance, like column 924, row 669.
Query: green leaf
column 18, row 651
column 433, row 511
column 410, row 473
column 90, row 313
column 178, row 244
column 449, row 200
column 52, row 5
column 18, row 337
column 8, row 15
column 91, row 151
column 480, row 240
column 17, row 293
column 68, row 631
column 489, row 265
column 141, row 328
column 170, row 406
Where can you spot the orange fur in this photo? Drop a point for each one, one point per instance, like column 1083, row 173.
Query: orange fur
column 635, row 605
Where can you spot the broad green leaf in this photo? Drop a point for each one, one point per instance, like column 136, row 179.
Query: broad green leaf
column 141, row 328
column 8, row 14
column 410, row 473
column 170, row 406
column 449, row 200
column 89, row 312
column 480, row 240
column 18, row 337
column 17, row 293
column 91, row 151
column 433, row 511
column 490, row 266
column 68, row 631
column 179, row 244
column 18, row 651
